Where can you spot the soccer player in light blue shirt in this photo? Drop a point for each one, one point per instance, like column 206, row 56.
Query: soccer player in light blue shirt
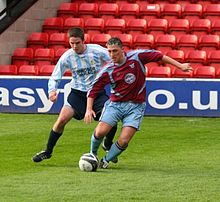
column 84, row 61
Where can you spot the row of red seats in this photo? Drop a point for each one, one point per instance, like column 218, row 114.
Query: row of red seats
column 148, row 1
column 42, row 56
column 29, row 70
column 151, row 71
column 134, row 10
column 168, row 72
column 134, row 26
column 160, row 42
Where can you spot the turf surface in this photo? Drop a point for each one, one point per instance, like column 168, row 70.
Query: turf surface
column 169, row 160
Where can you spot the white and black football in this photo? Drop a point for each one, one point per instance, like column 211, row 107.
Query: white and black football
column 88, row 162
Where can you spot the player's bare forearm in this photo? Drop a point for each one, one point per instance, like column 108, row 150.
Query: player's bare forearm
column 183, row 66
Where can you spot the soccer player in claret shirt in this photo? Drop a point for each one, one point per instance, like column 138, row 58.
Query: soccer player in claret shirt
column 126, row 76
column 84, row 61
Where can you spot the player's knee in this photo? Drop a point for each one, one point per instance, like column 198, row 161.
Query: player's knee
column 62, row 121
column 100, row 132
column 122, row 143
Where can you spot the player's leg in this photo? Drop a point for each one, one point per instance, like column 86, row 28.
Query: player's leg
column 100, row 131
column 64, row 117
column 99, row 103
column 74, row 107
column 117, row 148
column 108, row 119
column 132, row 117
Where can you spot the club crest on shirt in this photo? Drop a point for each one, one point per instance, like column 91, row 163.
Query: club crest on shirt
column 130, row 78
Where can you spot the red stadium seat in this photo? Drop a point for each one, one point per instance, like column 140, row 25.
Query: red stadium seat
column 157, row 26
column 209, row 42
column 126, row 40
column 213, row 59
column 149, row 11
column 88, row 10
column 204, row 72
column 28, row 70
column 46, row 70
column 37, row 40
column 165, row 42
column 58, row 53
column 192, row 11
column 159, row 71
column 115, row 26
column 217, row 72
column 178, row 73
column 136, row 26
column 215, row 27
column 58, row 40
column 22, row 56
column 211, row 11
column 144, row 41
column 44, row 56
column 176, row 54
column 108, row 10
column 170, row 11
column 86, row 38
column 200, row 27
column 53, row 25
column 196, row 58
column 72, row 22
column 100, row 39
column 128, row 11
column 94, row 26
column 8, row 70
column 178, row 26
column 151, row 65
column 187, row 42
column 66, row 10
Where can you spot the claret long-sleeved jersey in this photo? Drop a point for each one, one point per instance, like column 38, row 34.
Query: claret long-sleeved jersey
column 127, row 80
column 84, row 67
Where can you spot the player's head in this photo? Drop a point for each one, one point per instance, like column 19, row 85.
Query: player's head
column 76, row 39
column 115, row 49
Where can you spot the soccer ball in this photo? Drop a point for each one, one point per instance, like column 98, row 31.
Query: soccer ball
column 88, row 162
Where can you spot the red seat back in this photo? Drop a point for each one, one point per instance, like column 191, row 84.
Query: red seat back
column 28, row 70
column 8, row 70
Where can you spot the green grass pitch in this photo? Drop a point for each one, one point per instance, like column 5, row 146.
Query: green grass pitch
column 170, row 160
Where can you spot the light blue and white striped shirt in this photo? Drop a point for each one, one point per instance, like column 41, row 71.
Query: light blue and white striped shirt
column 84, row 67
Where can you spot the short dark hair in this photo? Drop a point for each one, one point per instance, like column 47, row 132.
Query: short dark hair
column 115, row 41
column 76, row 32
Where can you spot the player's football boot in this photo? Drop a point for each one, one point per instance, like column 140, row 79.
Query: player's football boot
column 41, row 156
column 106, row 149
column 103, row 164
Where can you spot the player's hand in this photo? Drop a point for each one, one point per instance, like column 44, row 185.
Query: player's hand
column 186, row 67
column 89, row 116
column 53, row 96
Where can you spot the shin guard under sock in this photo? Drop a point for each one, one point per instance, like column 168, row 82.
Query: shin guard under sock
column 95, row 143
column 52, row 140
column 115, row 151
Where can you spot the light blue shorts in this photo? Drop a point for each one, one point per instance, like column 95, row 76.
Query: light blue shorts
column 131, row 114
